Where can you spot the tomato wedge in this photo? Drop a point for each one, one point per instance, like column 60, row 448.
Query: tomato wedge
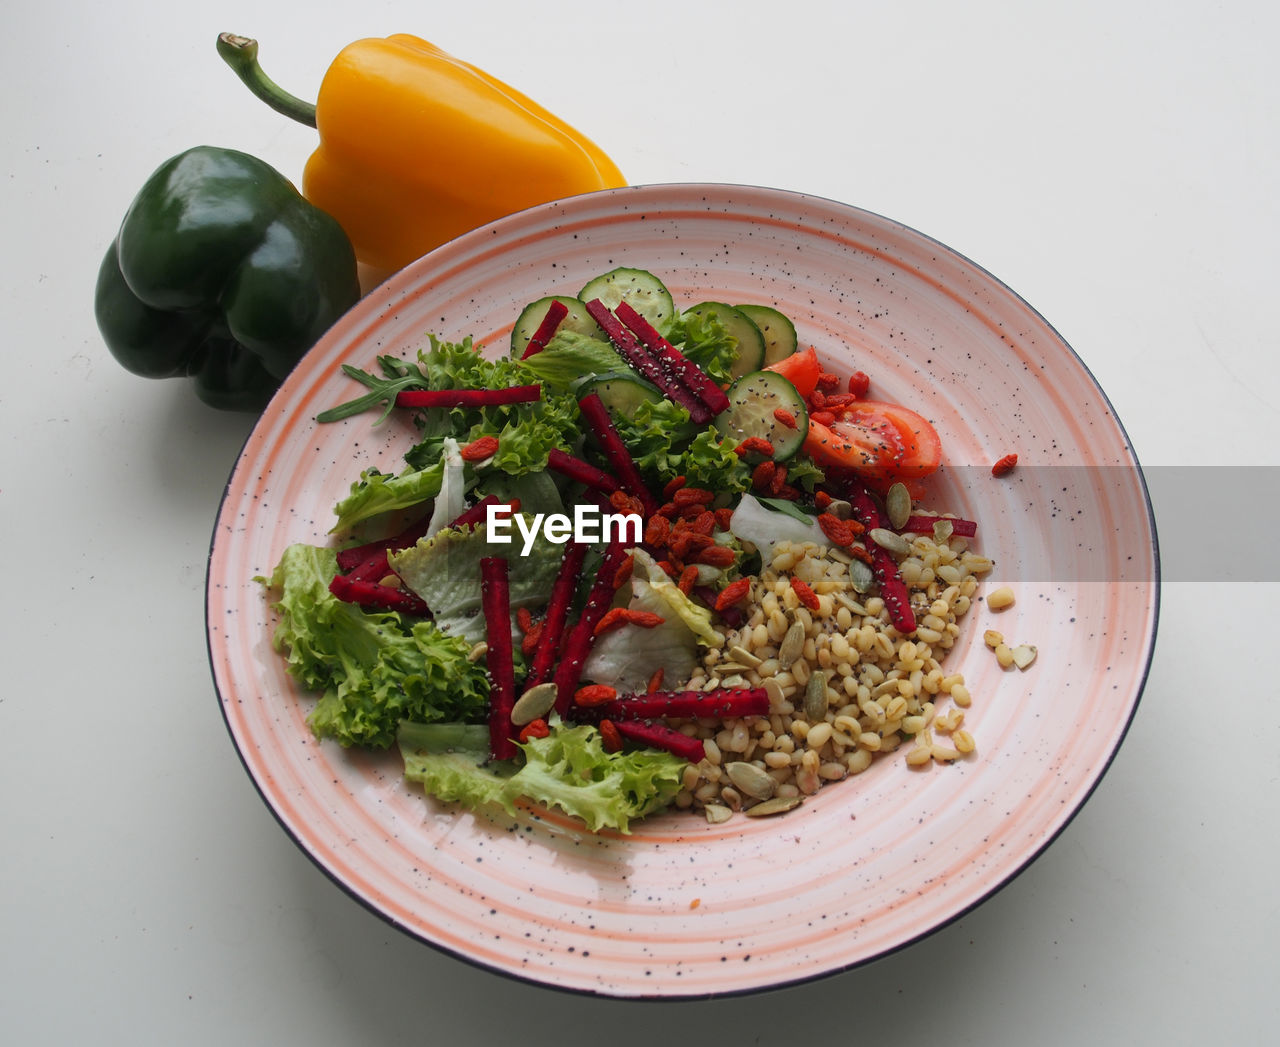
column 801, row 370
column 879, row 440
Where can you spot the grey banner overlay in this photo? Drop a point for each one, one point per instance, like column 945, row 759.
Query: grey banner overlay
column 1091, row 524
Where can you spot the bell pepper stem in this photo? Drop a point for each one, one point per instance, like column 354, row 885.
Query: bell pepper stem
column 241, row 54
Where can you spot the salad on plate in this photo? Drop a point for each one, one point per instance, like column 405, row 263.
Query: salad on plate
column 647, row 557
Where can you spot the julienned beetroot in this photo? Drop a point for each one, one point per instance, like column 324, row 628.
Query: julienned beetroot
column 660, row 736
column 495, row 602
column 678, row 368
column 721, row 703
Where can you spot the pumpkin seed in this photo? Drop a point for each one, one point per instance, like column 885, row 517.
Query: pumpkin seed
column 534, row 704
column 750, row 779
column 792, row 645
column 1023, row 655
column 815, row 698
column 717, row 813
column 897, row 503
column 890, row 541
column 942, row 532
column 778, row 805
column 840, row 509
column 776, row 695
column 863, row 579
column 744, row 657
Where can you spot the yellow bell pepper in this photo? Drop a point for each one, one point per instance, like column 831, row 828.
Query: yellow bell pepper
column 417, row 147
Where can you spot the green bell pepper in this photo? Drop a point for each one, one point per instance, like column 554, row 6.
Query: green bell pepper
column 223, row 273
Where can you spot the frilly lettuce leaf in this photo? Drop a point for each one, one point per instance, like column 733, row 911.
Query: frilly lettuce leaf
column 664, row 444
column 377, row 492
column 374, row 668
column 706, row 341
column 568, row 769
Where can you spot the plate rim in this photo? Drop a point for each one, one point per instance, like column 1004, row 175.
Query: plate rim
column 383, row 295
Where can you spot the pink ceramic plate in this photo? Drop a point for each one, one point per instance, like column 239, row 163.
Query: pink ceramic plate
column 683, row 908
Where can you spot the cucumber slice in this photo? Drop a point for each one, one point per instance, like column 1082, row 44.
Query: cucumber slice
column 620, row 391
column 750, row 341
column 779, row 332
column 531, row 317
column 641, row 290
column 753, row 399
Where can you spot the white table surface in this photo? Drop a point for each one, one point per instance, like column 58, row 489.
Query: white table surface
column 1117, row 164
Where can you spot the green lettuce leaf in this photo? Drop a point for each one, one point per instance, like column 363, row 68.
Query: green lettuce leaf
column 568, row 769
column 444, row 569
column 571, row 357
column 665, row 444
column 377, row 492
column 705, row 341
column 374, row 669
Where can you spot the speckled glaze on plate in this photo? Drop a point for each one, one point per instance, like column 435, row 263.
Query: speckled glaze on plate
column 682, row 908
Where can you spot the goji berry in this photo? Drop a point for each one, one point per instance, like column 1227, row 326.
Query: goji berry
column 532, row 637
column 688, row 578
column 612, row 619
column 655, row 681
column 716, row 556
column 828, row 381
column 734, row 592
column 625, row 503
column 838, row 400
column 668, row 568
column 837, row 530
column 685, row 543
column 479, row 450
column 672, row 486
column 762, row 475
column 859, row 384
column 657, row 531
column 688, row 496
column 817, row 400
column 785, row 417
column 594, row 694
column 623, row 574
column 724, row 517
column 644, row 619
column 534, row 729
column 1005, row 465
column 524, row 619
column 861, row 552
column 822, row 500
column 703, row 523
column 610, row 736
column 822, row 417
column 804, row 594
column 754, row 445
column 778, row 481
